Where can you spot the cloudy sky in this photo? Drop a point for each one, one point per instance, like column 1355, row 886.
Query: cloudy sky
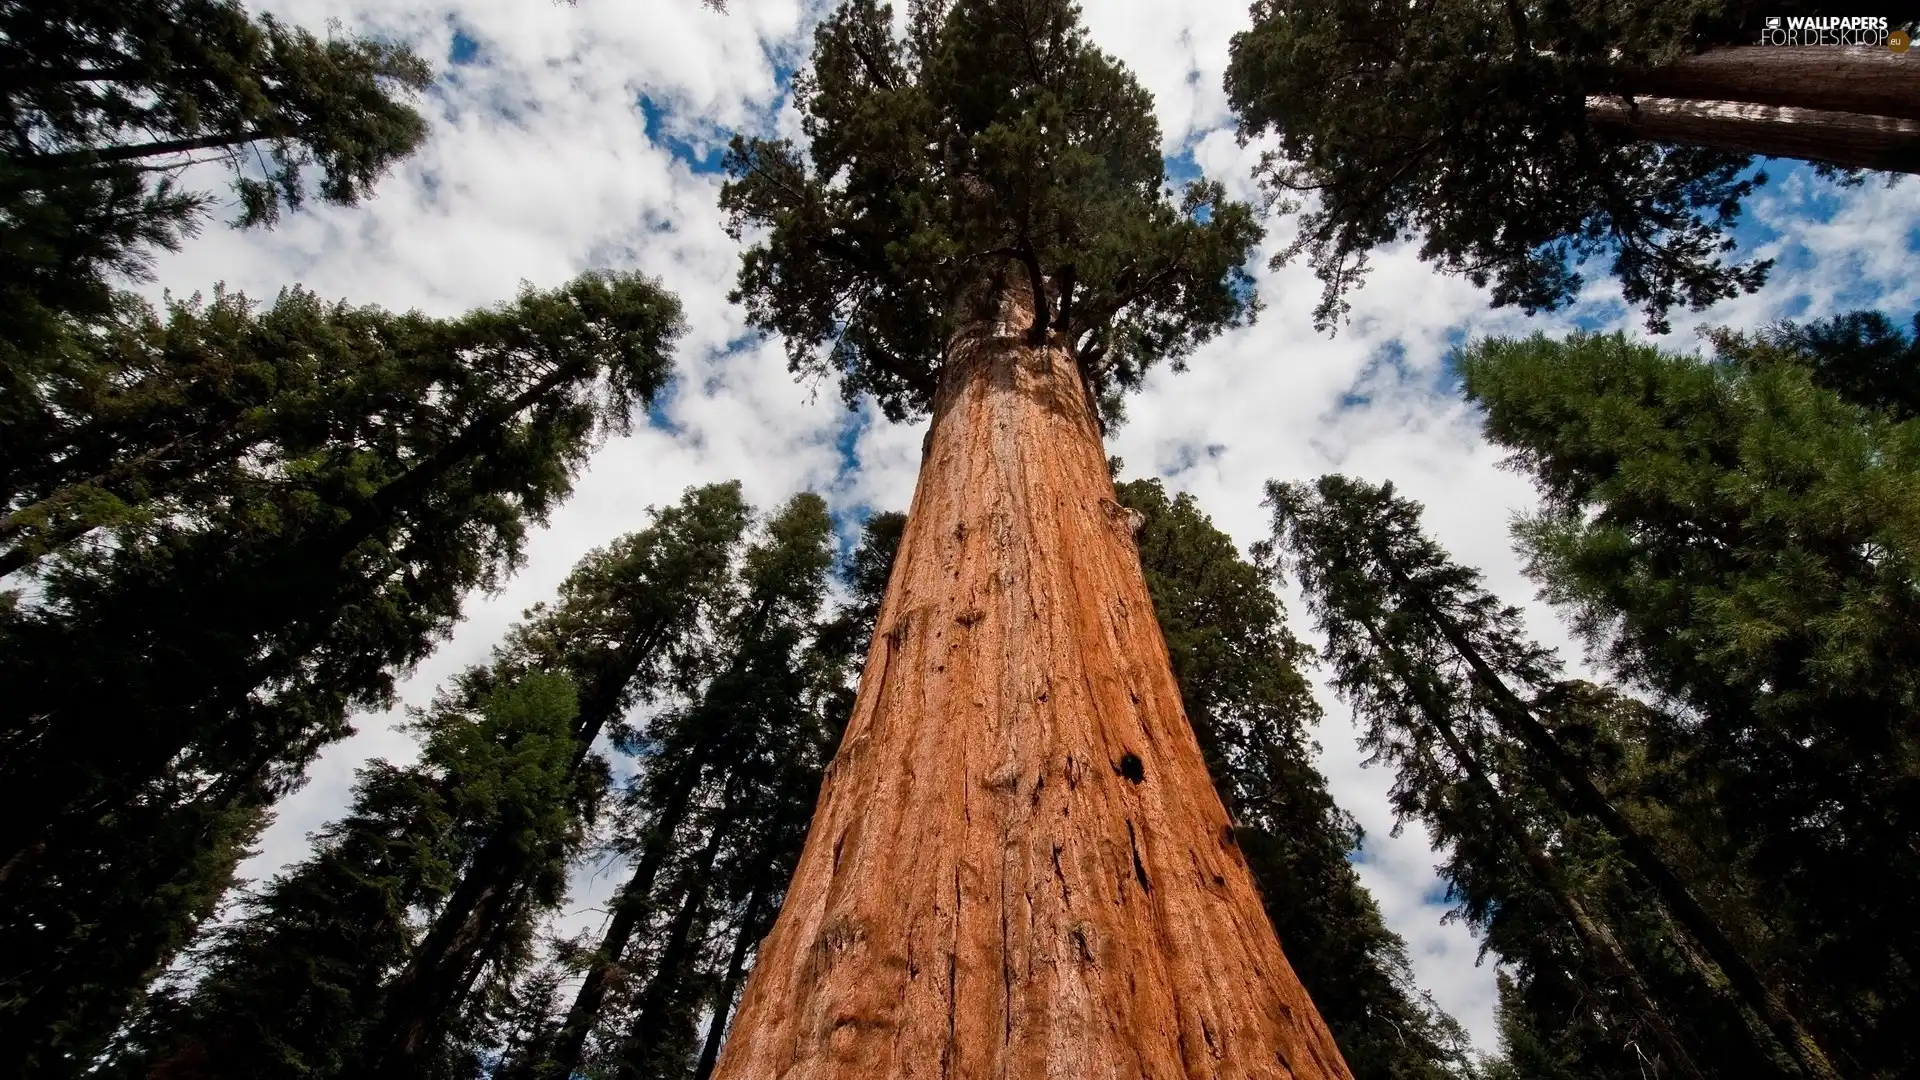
column 572, row 137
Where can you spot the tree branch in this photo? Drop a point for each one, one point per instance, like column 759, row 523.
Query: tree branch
column 1067, row 277
column 112, row 154
column 1037, row 333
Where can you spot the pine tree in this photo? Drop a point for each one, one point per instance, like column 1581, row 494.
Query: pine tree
column 292, row 986
column 1240, row 683
column 753, row 885
column 1863, row 356
column 176, row 413
column 181, row 675
column 1742, row 541
column 1638, row 124
column 1408, row 627
column 1622, row 950
column 1017, row 864
column 106, row 103
column 711, row 767
column 625, row 620
column 103, row 104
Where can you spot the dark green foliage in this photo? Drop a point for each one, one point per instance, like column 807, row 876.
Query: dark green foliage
column 1738, row 539
column 292, row 986
column 1466, row 124
column 1239, row 674
column 1863, row 356
column 756, row 678
column 622, row 617
column 752, row 876
column 713, row 769
column 74, row 963
column 865, row 576
column 994, row 131
column 198, row 658
column 104, row 102
column 161, row 415
column 1520, row 867
column 479, row 834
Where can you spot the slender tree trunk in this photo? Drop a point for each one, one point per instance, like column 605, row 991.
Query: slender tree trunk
column 632, row 905
column 1018, row 866
column 1582, row 797
column 743, row 939
column 1596, row 940
column 108, row 155
column 440, row 973
column 1849, row 140
column 423, row 995
column 1849, row 79
column 643, row 1035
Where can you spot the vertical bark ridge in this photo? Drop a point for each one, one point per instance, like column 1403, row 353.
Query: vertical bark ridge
column 1019, row 804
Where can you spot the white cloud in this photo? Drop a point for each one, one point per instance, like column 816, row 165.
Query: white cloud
column 540, row 166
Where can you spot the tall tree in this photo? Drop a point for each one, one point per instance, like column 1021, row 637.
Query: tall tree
column 1605, row 989
column 293, row 985
column 624, row 622
column 103, row 104
column 1017, row 863
column 1239, row 673
column 176, row 413
column 186, row 671
column 706, row 762
column 1637, row 124
column 1740, row 540
column 752, row 886
column 1398, row 613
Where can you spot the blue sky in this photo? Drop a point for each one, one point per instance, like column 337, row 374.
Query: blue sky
column 567, row 137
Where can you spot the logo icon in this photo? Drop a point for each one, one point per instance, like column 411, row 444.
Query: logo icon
column 1773, row 22
column 1899, row 40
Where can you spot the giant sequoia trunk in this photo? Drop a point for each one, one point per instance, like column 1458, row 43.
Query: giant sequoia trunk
column 1849, row 79
column 1856, row 107
column 1018, row 866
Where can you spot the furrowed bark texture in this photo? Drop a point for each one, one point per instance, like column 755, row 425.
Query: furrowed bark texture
column 1018, row 867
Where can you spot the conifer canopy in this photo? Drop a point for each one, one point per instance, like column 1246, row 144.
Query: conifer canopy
column 1467, row 124
column 992, row 131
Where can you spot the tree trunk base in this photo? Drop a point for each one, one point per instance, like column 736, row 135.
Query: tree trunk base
column 1018, row 866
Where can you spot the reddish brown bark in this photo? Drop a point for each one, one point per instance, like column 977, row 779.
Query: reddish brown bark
column 1017, row 866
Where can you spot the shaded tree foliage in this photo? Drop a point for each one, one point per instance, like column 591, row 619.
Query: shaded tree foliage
column 1470, row 125
column 293, row 985
column 1240, row 683
column 104, row 104
column 327, row 964
column 1741, row 541
column 716, row 817
column 180, row 668
column 1863, row 356
column 1574, row 892
column 993, row 131
column 624, row 624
